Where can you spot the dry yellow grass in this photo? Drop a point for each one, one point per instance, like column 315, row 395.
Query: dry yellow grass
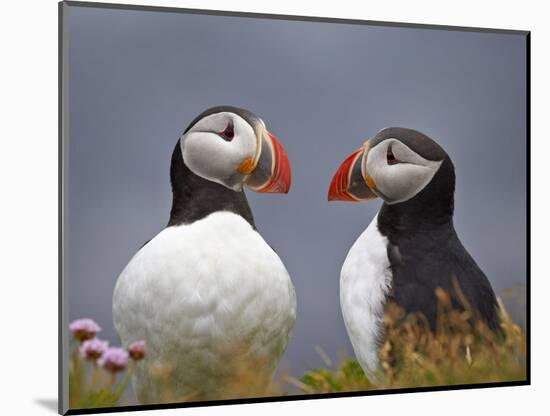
column 459, row 351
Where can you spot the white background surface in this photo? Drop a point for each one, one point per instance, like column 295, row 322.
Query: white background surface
column 28, row 215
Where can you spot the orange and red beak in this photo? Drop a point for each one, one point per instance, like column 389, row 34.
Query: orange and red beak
column 271, row 171
column 351, row 181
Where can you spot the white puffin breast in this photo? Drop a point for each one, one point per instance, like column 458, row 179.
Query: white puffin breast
column 365, row 281
column 210, row 299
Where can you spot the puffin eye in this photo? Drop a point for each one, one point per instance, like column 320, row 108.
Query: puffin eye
column 391, row 158
column 228, row 133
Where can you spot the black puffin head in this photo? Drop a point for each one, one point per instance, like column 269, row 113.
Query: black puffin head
column 224, row 149
column 404, row 167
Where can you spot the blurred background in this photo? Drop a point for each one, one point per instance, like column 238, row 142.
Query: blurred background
column 136, row 79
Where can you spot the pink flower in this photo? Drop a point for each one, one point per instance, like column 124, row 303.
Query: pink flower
column 114, row 359
column 137, row 350
column 92, row 349
column 83, row 329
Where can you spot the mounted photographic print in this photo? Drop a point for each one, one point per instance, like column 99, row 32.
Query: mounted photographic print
column 266, row 208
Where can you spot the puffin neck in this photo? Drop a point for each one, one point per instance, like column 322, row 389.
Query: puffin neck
column 194, row 198
column 432, row 208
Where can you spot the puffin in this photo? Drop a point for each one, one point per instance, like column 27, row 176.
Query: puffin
column 212, row 300
column 411, row 247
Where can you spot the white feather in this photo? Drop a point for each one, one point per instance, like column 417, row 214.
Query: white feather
column 365, row 281
column 210, row 298
column 211, row 157
column 402, row 181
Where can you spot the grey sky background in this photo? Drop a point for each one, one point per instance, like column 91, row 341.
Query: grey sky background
column 136, row 80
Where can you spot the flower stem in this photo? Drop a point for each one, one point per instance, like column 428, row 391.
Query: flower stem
column 122, row 386
column 94, row 376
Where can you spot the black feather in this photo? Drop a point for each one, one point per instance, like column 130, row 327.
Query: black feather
column 194, row 198
column 425, row 253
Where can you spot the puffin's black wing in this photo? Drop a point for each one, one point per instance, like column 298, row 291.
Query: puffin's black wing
column 421, row 265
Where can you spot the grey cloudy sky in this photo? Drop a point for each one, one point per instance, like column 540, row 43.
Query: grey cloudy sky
column 137, row 79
